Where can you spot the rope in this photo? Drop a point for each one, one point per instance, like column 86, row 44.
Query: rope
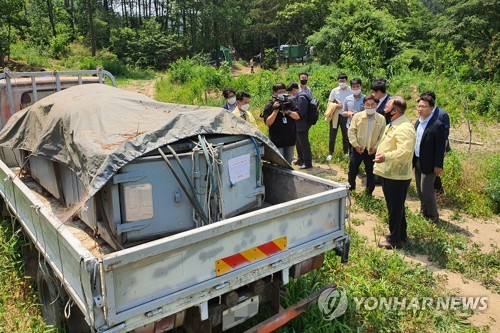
column 67, row 308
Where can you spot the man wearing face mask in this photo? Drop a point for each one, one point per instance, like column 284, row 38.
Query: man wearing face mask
column 353, row 103
column 338, row 95
column 365, row 133
column 230, row 96
column 243, row 104
column 393, row 164
column 301, row 103
column 304, row 77
column 280, row 116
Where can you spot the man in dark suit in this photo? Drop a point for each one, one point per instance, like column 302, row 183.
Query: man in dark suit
column 429, row 156
column 379, row 90
column 443, row 117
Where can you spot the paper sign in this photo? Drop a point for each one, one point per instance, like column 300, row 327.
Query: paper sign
column 239, row 168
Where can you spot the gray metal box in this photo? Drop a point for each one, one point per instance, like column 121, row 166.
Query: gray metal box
column 144, row 200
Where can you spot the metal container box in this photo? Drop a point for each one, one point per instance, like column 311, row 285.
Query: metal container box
column 145, row 200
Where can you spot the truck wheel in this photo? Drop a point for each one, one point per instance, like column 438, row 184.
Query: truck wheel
column 51, row 297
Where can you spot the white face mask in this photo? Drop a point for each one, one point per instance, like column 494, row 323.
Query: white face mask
column 342, row 84
column 245, row 107
column 281, row 96
column 231, row 100
column 370, row 111
column 356, row 91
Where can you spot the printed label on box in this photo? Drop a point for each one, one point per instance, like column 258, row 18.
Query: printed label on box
column 239, row 168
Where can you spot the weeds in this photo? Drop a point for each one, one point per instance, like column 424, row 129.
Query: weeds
column 375, row 273
column 17, row 310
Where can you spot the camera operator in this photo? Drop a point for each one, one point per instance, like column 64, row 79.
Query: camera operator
column 280, row 116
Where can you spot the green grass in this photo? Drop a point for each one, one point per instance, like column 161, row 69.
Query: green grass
column 18, row 304
column 446, row 244
column 373, row 272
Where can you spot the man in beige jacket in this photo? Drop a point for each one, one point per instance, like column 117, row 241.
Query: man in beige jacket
column 365, row 133
column 394, row 166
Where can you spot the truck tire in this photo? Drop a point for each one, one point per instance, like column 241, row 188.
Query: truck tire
column 53, row 299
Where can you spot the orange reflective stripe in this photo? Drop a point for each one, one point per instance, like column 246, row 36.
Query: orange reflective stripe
column 255, row 253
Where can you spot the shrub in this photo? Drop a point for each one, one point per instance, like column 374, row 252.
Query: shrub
column 270, row 60
column 493, row 186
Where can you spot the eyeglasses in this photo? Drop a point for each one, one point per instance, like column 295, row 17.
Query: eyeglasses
column 370, row 106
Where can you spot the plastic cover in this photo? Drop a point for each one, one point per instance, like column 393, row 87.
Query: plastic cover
column 96, row 129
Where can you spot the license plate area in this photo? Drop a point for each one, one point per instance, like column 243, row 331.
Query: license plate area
column 240, row 313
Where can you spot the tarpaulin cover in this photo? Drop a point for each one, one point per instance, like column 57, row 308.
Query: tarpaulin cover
column 96, row 129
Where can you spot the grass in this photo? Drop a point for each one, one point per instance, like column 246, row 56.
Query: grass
column 373, row 272
column 18, row 304
column 445, row 244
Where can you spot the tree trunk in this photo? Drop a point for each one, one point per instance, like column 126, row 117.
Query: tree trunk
column 50, row 9
column 216, row 39
column 90, row 12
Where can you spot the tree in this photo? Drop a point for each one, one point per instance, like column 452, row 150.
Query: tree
column 358, row 36
column 473, row 26
column 298, row 20
column 9, row 17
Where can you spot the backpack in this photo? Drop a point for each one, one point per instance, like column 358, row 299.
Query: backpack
column 313, row 111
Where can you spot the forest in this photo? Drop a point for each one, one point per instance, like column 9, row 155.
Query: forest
column 374, row 37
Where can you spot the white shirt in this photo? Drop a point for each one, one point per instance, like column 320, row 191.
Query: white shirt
column 339, row 95
column 381, row 100
column 420, row 132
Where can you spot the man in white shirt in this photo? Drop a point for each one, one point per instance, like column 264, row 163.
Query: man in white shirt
column 338, row 96
column 429, row 155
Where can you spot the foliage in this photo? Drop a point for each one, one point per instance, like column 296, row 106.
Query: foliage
column 472, row 26
column 17, row 313
column 358, row 36
column 493, row 186
column 302, row 18
column 147, row 47
column 270, row 60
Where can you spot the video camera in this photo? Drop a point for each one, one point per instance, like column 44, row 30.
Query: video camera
column 284, row 102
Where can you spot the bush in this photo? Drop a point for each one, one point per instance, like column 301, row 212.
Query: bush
column 493, row 186
column 270, row 60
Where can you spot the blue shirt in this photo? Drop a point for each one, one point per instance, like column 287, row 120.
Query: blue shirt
column 353, row 104
column 420, row 132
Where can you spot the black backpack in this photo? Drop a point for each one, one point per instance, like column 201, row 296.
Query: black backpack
column 313, row 111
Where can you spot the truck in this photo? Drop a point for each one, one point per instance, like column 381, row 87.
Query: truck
column 144, row 216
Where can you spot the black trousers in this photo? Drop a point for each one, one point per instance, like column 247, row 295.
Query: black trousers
column 342, row 124
column 304, row 152
column 395, row 196
column 355, row 162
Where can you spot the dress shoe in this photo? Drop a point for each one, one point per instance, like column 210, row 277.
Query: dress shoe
column 385, row 244
column 303, row 167
column 297, row 162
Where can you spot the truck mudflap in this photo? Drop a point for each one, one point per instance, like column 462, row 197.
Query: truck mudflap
column 285, row 315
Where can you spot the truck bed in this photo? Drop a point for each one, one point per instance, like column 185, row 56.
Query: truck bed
column 303, row 216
